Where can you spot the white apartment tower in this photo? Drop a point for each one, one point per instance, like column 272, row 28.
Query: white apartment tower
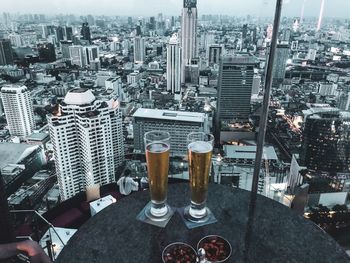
column 87, row 139
column 188, row 34
column 18, row 110
column 139, row 49
column 173, row 71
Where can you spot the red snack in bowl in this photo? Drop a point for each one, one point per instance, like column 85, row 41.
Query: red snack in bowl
column 179, row 253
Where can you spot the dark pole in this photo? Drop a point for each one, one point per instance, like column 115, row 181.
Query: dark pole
column 6, row 229
column 263, row 122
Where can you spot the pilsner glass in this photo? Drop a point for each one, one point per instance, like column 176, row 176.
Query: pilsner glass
column 200, row 146
column 157, row 147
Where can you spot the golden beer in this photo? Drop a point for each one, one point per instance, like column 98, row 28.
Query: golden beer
column 157, row 156
column 199, row 161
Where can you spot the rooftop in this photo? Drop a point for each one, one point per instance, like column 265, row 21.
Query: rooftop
column 12, row 153
column 249, row 152
column 169, row 115
column 79, row 96
column 40, row 136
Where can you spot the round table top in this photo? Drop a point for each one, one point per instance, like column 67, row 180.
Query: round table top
column 278, row 235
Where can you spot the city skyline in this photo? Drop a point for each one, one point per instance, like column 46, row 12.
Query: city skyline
column 259, row 8
column 89, row 88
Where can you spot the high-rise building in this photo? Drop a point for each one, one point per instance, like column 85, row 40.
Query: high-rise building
column 6, row 56
column 91, row 54
column 68, row 32
column 214, row 54
column 280, row 62
column 152, row 23
column 59, row 34
column 45, row 31
column 326, row 144
column 178, row 123
column 139, row 49
column 189, row 18
column 16, row 39
column 65, row 48
column 77, row 55
column 87, row 139
column 173, row 71
column 46, row 52
column 85, row 32
column 256, row 84
column 18, row 109
column 234, row 88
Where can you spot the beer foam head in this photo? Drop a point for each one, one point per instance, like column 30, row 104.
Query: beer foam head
column 157, row 147
column 200, row 147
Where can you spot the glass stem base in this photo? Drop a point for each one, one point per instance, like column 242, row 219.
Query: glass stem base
column 196, row 213
column 158, row 212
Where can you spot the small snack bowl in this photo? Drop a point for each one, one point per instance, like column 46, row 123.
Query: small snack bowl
column 217, row 249
column 179, row 252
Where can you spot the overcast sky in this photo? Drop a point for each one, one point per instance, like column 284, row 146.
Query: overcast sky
column 333, row 8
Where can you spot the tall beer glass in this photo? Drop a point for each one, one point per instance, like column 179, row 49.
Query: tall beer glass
column 200, row 146
column 157, row 147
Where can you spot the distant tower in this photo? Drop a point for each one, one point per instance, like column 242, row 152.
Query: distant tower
column 280, row 62
column 214, row 54
column 319, row 23
column 18, row 109
column 46, row 52
column 173, row 71
column 6, row 56
column 59, row 34
column 234, row 88
column 91, row 54
column 139, row 49
column 77, row 55
column 188, row 34
column 85, row 32
column 68, row 32
column 87, row 138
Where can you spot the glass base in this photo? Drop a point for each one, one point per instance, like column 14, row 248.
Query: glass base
column 196, row 215
column 155, row 212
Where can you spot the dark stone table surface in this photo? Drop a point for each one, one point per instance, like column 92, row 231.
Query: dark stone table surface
column 278, row 235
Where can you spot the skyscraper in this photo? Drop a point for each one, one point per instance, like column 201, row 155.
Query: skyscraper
column 214, row 55
column 85, row 32
column 326, row 143
column 65, row 48
column 139, row 49
column 18, row 109
column 69, row 32
column 87, row 138
column 77, row 55
column 173, row 71
column 280, row 62
column 91, row 53
column 46, row 52
column 234, row 88
column 59, row 34
column 188, row 34
column 6, row 56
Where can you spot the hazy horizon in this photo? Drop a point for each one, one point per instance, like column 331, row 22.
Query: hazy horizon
column 259, row 8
